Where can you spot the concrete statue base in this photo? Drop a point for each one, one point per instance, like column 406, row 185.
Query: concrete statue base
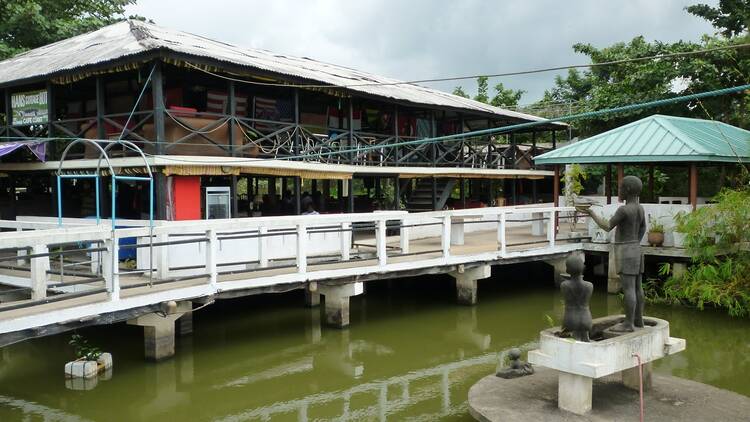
column 579, row 363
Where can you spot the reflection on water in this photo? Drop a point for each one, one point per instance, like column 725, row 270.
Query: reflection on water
column 411, row 354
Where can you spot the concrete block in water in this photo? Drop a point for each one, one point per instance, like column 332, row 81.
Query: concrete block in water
column 81, row 369
column 105, row 360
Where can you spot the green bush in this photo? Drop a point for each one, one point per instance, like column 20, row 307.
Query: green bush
column 717, row 238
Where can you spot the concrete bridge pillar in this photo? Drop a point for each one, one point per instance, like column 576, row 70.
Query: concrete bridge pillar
column 337, row 302
column 312, row 295
column 466, row 282
column 159, row 329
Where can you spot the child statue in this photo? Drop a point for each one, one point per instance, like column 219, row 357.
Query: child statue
column 630, row 222
column 577, row 293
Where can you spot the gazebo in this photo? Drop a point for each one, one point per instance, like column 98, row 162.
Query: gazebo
column 656, row 140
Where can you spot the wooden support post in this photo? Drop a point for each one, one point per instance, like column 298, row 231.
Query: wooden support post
column 652, row 197
column 232, row 114
column 404, row 237
column 462, row 192
column 39, row 268
column 297, row 195
column 101, row 133
column 445, row 239
column 620, row 176
column 50, row 118
column 434, row 194
column 556, row 196
column 608, row 183
column 380, row 243
column 350, row 199
column 326, row 195
column 263, row 246
column 346, row 241
column 301, row 248
column 296, row 147
column 212, row 246
column 396, row 193
column 693, row 197
column 501, row 239
column 160, row 187
column 352, row 154
column 397, row 151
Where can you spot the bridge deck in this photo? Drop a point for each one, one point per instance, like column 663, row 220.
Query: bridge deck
column 122, row 296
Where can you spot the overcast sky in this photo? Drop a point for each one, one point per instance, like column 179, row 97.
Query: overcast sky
column 420, row 39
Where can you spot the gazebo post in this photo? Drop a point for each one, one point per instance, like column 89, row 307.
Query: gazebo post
column 651, row 183
column 556, row 193
column 693, row 196
column 608, row 183
column 620, row 176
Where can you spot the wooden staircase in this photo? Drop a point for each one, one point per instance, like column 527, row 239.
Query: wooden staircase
column 420, row 198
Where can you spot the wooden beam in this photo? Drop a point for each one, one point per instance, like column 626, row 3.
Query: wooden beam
column 100, row 108
column 608, row 183
column 620, row 176
column 693, row 197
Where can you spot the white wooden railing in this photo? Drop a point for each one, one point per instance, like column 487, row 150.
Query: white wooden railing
column 250, row 247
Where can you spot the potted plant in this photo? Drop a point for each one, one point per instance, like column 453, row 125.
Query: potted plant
column 655, row 232
column 89, row 362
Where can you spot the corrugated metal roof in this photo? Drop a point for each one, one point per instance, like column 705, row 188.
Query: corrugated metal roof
column 130, row 38
column 658, row 138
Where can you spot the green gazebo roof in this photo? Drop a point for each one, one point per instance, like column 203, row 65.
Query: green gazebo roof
column 658, row 138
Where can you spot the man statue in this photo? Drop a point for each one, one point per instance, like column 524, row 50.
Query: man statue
column 577, row 294
column 630, row 221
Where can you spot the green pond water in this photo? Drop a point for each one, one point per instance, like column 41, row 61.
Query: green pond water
column 411, row 353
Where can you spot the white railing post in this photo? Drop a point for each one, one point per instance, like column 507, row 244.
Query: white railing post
column 380, row 243
column 301, row 248
column 445, row 240
column 21, row 252
column 551, row 228
column 162, row 256
column 404, row 237
column 111, row 266
column 39, row 268
column 262, row 247
column 501, row 235
column 346, row 241
column 212, row 244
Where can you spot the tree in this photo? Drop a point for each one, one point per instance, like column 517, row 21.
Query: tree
column 731, row 18
column 27, row 24
column 482, row 96
column 460, row 92
column 504, row 97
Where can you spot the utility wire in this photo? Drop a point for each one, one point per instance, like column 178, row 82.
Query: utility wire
column 495, row 75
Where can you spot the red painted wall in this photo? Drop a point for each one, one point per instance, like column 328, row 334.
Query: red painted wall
column 187, row 197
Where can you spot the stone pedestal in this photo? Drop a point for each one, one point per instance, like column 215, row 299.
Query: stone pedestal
column 337, row 302
column 578, row 363
column 631, row 377
column 574, row 393
column 159, row 330
column 466, row 282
